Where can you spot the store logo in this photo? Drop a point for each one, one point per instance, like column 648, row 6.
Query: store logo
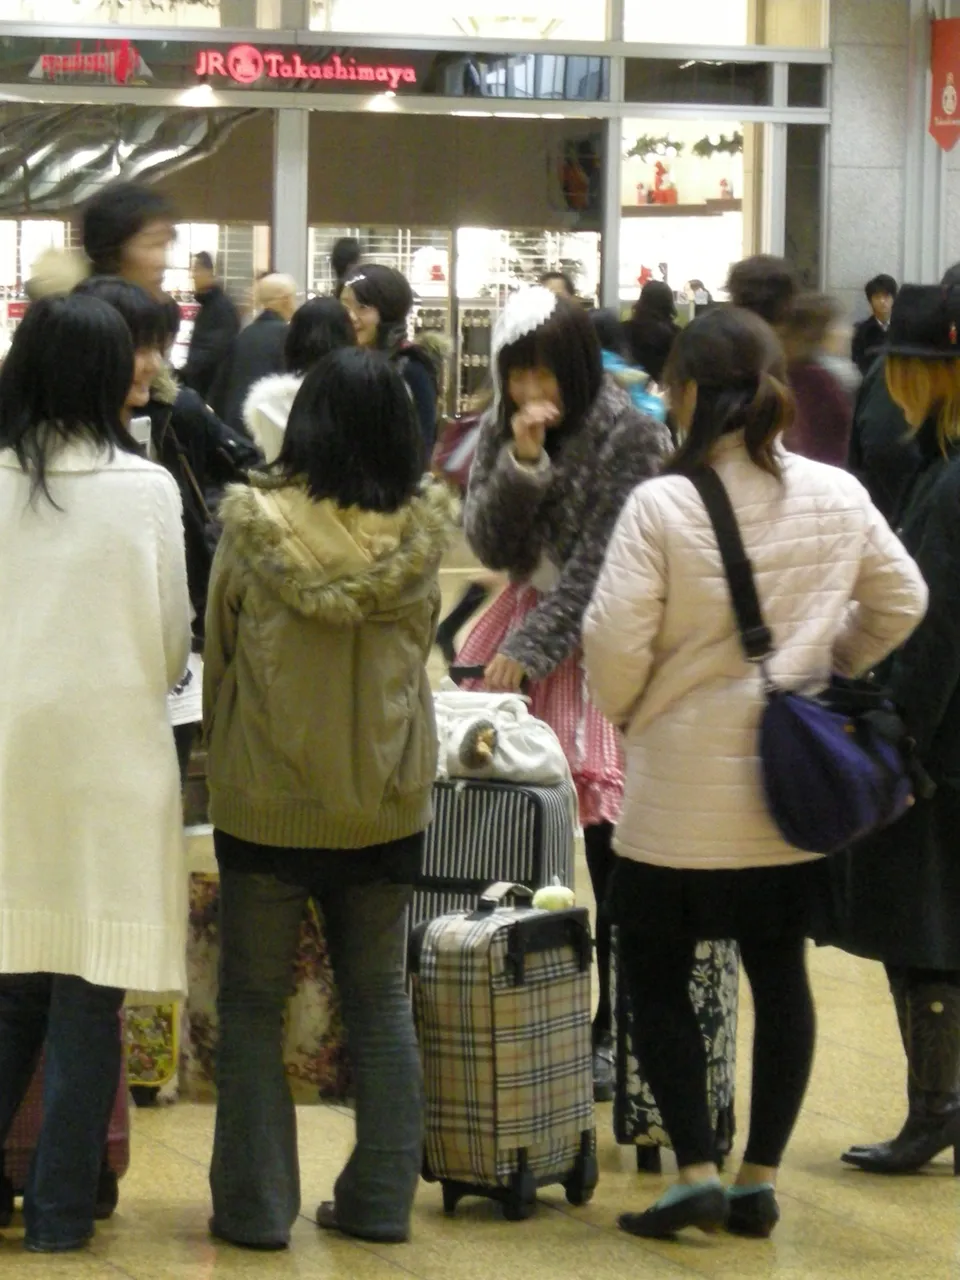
column 110, row 62
column 245, row 64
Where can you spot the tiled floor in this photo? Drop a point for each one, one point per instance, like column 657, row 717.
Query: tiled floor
column 836, row 1223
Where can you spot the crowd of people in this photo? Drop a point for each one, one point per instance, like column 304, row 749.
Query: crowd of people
column 291, row 533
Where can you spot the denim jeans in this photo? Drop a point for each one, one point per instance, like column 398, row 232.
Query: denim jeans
column 254, row 1176
column 76, row 1025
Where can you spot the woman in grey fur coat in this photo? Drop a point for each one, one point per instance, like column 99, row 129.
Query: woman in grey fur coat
column 559, row 453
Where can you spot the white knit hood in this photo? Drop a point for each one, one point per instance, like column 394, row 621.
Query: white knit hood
column 525, row 311
column 267, row 408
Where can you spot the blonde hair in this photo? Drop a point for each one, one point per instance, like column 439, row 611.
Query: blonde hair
column 924, row 389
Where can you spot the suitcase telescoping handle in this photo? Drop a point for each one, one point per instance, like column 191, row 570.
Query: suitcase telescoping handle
column 504, row 894
column 459, row 674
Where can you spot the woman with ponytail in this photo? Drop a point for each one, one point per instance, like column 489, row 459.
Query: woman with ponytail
column 699, row 856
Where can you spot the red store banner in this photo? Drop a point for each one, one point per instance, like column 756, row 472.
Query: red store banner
column 945, row 99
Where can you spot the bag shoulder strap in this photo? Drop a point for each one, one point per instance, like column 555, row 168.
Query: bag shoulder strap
column 755, row 636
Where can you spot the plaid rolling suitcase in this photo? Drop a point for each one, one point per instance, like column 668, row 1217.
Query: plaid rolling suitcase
column 22, row 1138
column 714, row 990
column 501, row 1000
column 487, row 832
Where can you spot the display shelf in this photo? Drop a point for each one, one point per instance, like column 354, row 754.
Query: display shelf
column 710, row 209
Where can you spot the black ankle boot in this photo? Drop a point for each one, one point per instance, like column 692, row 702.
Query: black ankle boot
column 932, row 1026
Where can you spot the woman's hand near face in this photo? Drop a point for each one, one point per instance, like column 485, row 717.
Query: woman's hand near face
column 503, row 675
column 530, row 425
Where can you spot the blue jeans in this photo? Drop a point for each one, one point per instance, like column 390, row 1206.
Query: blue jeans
column 76, row 1025
column 255, row 1176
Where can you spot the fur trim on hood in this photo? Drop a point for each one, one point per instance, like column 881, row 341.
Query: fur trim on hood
column 267, row 408
column 165, row 387
column 340, row 565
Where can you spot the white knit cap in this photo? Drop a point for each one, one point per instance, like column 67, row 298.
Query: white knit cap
column 525, row 311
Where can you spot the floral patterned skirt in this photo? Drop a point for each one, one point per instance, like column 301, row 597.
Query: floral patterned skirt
column 590, row 742
column 714, row 993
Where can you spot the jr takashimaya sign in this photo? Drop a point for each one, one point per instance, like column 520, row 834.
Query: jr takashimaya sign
column 247, row 65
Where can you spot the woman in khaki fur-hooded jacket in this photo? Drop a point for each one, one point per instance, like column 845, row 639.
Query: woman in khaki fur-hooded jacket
column 322, row 610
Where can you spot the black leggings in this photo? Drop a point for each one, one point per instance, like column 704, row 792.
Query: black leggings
column 598, row 840
column 669, row 1041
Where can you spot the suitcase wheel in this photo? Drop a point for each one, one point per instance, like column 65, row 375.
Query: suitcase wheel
column 144, row 1095
column 582, row 1182
column 649, row 1160
column 6, row 1202
column 452, row 1194
column 520, row 1201
column 108, row 1195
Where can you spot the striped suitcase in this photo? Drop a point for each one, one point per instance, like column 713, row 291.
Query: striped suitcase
column 501, row 1000
column 715, row 992
column 18, row 1149
column 485, row 832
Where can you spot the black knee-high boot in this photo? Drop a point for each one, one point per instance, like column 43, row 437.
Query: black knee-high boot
column 929, row 1014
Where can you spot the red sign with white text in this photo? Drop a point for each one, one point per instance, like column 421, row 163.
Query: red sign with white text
column 945, row 63
column 246, row 64
column 107, row 62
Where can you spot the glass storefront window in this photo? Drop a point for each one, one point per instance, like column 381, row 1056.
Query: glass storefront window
column 737, row 84
column 150, row 13
column 490, row 19
column 800, row 24
column 691, row 201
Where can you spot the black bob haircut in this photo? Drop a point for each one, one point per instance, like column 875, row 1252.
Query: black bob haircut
column 389, row 291
column 318, row 327
column 566, row 280
column 146, row 318
column 66, row 377
column 203, row 259
column 881, row 284
column 566, row 344
column 114, row 216
column 353, row 434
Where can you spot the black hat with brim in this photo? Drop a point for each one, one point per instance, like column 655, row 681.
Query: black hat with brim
column 925, row 323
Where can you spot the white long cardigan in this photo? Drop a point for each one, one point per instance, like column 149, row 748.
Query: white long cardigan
column 94, row 631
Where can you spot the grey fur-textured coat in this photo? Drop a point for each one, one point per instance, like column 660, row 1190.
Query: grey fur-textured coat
column 552, row 523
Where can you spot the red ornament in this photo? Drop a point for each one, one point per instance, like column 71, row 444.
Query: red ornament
column 953, row 334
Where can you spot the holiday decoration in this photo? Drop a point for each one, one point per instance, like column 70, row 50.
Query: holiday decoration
column 649, row 148
column 723, row 145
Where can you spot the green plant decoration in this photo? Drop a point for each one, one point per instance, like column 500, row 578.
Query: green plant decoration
column 706, row 148
column 649, row 148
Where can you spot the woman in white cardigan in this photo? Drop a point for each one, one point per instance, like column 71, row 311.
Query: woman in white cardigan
column 94, row 632
column 699, row 856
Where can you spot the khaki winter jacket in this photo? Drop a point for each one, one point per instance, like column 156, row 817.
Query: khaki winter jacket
column 317, row 707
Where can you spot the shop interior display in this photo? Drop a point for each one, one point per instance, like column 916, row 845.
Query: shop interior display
column 683, row 195
column 460, row 302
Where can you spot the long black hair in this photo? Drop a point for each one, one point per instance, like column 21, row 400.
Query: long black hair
column 739, row 368
column 318, row 327
column 389, row 291
column 66, row 377
column 566, row 344
column 146, row 317
column 353, row 434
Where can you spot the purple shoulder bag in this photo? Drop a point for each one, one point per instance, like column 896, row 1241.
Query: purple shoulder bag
column 836, row 765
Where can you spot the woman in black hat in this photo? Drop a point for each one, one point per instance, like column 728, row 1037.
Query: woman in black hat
column 900, row 890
